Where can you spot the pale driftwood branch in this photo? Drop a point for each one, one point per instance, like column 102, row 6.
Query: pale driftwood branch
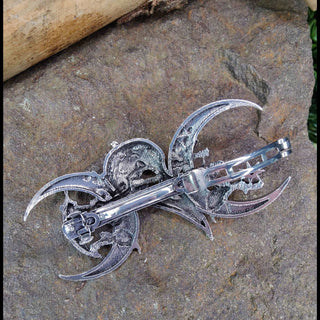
column 312, row 4
column 34, row 30
column 37, row 29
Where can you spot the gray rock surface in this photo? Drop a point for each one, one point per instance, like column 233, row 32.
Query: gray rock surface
column 142, row 79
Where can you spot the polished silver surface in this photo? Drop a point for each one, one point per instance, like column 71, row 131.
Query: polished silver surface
column 135, row 176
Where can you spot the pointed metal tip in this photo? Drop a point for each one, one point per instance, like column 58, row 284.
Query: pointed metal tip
column 137, row 246
column 244, row 103
column 28, row 210
column 30, row 206
column 286, row 182
column 71, row 278
column 76, row 277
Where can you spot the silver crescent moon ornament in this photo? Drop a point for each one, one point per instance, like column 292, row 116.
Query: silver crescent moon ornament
column 102, row 211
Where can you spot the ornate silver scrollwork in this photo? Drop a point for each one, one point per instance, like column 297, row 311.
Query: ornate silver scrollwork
column 135, row 176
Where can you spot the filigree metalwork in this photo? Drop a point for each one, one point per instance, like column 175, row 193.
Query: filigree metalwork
column 135, row 176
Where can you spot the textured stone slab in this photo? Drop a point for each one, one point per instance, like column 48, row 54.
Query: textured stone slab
column 142, row 79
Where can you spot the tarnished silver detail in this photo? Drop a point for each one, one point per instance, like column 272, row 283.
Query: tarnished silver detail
column 135, row 176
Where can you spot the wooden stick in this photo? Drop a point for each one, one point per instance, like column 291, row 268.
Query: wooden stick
column 36, row 29
column 312, row 4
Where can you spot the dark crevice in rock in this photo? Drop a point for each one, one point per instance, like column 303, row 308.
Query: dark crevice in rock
column 281, row 6
column 152, row 7
column 247, row 74
column 256, row 130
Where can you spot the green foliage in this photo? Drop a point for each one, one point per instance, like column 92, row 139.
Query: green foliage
column 312, row 120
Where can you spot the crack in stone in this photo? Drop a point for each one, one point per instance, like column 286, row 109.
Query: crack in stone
column 256, row 129
column 247, row 74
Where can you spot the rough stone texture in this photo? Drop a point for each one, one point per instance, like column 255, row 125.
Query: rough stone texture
column 142, row 79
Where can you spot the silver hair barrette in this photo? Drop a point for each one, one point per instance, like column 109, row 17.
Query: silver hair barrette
column 135, row 176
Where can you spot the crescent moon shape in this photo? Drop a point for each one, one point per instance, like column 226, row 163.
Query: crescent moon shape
column 99, row 185
column 89, row 182
column 237, row 209
column 181, row 147
column 117, row 255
